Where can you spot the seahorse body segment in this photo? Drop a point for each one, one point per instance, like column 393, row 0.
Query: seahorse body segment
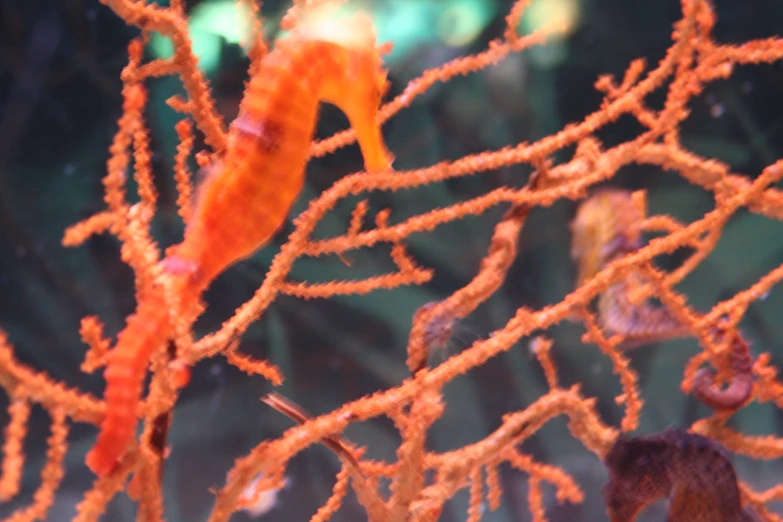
column 693, row 471
column 144, row 332
column 607, row 227
column 248, row 197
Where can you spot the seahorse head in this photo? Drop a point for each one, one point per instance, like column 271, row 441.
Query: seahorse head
column 605, row 226
column 356, row 80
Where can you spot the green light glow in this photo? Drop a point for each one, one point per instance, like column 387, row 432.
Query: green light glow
column 211, row 24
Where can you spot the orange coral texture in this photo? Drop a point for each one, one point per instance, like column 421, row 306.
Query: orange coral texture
column 615, row 268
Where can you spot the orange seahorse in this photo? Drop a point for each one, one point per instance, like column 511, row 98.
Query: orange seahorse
column 248, row 196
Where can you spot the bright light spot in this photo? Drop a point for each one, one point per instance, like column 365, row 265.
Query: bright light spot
column 346, row 27
column 717, row 110
column 462, row 21
column 222, row 18
column 407, row 23
column 211, row 24
column 561, row 16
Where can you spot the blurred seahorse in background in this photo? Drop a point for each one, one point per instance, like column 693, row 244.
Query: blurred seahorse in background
column 607, row 227
column 247, row 197
column 693, row 471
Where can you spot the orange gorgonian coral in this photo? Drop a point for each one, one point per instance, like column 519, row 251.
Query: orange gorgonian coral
column 234, row 212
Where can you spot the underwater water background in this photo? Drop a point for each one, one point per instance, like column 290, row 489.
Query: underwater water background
column 59, row 102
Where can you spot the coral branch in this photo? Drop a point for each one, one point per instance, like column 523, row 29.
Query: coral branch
column 255, row 171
